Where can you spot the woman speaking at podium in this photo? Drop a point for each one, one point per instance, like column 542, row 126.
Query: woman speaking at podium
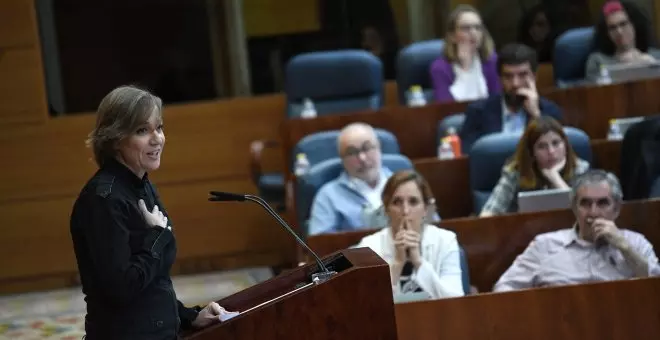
column 424, row 260
column 122, row 236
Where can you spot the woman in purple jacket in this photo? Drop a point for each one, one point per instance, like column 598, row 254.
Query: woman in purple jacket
column 467, row 69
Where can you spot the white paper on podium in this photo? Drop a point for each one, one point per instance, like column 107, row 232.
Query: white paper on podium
column 228, row 315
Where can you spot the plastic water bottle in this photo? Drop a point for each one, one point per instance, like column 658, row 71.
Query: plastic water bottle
column 302, row 165
column 614, row 132
column 416, row 96
column 445, row 150
column 604, row 77
column 454, row 140
column 308, row 110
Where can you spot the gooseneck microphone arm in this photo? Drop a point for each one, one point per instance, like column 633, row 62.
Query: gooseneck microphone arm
column 218, row 196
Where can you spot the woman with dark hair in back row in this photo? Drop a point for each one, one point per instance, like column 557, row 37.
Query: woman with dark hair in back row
column 536, row 32
column 623, row 36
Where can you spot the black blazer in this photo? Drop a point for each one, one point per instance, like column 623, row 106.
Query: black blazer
column 485, row 117
column 124, row 265
column 640, row 158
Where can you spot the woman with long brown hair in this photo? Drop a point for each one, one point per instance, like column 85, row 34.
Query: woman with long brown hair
column 544, row 159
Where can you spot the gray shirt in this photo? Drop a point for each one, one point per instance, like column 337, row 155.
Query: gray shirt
column 561, row 258
column 597, row 58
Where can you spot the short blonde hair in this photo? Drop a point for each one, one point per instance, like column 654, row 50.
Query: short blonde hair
column 120, row 113
column 450, row 51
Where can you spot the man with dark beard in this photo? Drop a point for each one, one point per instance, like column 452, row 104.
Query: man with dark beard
column 519, row 102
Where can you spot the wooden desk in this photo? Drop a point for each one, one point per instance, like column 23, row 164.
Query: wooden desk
column 610, row 310
column 493, row 243
column 588, row 108
column 450, row 179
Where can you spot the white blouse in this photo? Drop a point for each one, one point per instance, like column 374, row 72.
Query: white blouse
column 440, row 272
column 469, row 84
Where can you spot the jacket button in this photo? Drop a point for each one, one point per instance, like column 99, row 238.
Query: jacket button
column 159, row 323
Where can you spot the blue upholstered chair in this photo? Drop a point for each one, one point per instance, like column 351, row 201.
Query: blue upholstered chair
column 321, row 146
column 465, row 270
column 571, row 52
column 317, row 147
column 490, row 153
column 336, row 81
column 654, row 192
column 413, row 66
column 324, row 172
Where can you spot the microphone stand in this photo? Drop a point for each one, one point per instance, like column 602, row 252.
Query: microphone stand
column 317, row 278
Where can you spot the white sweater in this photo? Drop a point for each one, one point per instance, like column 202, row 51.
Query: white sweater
column 440, row 272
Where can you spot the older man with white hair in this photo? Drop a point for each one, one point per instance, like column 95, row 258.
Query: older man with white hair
column 595, row 249
column 340, row 204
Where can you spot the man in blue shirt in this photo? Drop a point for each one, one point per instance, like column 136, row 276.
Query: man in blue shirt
column 518, row 103
column 341, row 204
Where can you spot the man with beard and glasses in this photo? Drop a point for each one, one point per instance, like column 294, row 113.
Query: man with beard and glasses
column 518, row 103
column 594, row 249
column 339, row 204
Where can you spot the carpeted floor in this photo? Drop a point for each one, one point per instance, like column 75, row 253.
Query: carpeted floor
column 60, row 314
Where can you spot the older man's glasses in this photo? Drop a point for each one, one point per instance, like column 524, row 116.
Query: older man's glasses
column 355, row 152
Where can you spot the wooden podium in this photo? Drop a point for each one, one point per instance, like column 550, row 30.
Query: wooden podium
column 356, row 303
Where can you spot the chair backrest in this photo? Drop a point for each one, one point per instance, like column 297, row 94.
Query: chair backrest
column 413, row 67
column 456, row 121
column 309, row 184
column 336, row 81
column 465, row 270
column 321, row 146
column 571, row 52
column 491, row 152
column 639, row 161
column 654, row 192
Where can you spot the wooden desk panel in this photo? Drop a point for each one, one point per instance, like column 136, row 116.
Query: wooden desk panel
column 450, row 183
column 611, row 310
column 493, row 243
column 450, row 179
column 415, row 128
column 587, row 108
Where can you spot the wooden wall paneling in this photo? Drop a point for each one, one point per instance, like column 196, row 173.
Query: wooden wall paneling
column 17, row 22
column 206, row 149
column 22, row 86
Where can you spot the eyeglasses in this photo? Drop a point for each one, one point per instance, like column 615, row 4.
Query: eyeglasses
column 600, row 203
column 467, row 28
column 621, row 25
column 355, row 152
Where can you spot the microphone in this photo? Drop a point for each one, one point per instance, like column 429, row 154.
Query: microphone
column 219, row 196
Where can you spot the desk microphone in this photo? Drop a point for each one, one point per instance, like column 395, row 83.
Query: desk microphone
column 219, row 196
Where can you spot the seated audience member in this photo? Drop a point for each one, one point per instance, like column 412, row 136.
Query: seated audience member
column 422, row 257
column 536, row 32
column 339, row 205
column 594, row 249
column 467, row 69
column 518, row 103
column 544, row 159
column 623, row 35
column 382, row 46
